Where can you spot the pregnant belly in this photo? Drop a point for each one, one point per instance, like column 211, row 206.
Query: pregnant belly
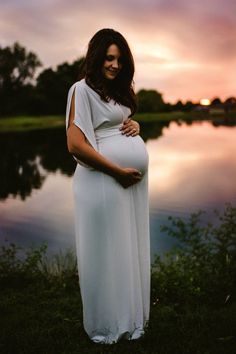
column 126, row 151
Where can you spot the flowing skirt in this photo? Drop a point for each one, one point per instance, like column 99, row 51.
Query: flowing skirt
column 113, row 255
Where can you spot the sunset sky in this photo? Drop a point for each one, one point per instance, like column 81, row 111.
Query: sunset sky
column 184, row 49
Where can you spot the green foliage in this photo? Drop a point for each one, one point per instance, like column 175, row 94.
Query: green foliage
column 8, row 261
column 13, row 265
column 63, row 264
column 17, row 66
column 29, row 123
column 193, row 305
column 34, row 262
column 22, row 93
column 17, row 70
column 52, row 88
column 150, row 101
column 204, row 267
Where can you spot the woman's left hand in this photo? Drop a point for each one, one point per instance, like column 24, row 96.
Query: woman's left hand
column 130, row 127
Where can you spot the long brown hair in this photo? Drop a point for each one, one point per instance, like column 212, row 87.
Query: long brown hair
column 121, row 87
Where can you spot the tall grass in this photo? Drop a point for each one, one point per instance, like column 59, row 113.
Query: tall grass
column 14, row 260
column 60, row 265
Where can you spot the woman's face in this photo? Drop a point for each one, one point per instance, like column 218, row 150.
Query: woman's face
column 112, row 64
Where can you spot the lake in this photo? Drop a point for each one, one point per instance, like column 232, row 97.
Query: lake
column 192, row 166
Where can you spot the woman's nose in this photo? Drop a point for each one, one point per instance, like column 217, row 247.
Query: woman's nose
column 115, row 64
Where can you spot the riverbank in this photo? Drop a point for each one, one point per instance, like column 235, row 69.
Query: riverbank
column 193, row 297
column 27, row 123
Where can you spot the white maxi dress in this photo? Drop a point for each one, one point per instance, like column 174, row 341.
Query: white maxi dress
column 111, row 224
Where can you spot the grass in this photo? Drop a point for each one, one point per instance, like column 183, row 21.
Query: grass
column 26, row 123
column 45, row 316
column 159, row 117
column 193, row 297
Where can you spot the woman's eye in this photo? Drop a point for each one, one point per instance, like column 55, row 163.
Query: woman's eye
column 110, row 58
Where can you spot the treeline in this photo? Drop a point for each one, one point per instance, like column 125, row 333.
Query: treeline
column 22, row 93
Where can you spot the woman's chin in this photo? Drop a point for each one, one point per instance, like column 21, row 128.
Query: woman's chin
column 110, row 77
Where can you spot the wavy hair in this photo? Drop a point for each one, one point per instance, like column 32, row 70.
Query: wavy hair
column 121, row 87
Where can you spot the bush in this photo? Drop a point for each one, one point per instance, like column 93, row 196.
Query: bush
column 204, row 267
column 34, row 263
column 193, row 307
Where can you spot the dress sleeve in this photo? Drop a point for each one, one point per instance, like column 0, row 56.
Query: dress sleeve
column 83, row 115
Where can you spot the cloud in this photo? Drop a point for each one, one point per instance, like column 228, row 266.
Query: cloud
column 183, row 48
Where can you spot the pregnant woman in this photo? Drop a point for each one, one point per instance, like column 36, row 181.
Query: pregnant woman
column 110, row 187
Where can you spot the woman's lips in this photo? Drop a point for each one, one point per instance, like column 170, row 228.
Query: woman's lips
column 112, row 72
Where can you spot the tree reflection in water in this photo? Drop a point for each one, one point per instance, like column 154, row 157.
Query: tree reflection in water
column 26, row 158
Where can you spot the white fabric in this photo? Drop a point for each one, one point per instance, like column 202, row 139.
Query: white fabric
column 111, row 224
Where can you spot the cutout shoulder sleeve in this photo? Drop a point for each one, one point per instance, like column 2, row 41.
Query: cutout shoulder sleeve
column 83, row 114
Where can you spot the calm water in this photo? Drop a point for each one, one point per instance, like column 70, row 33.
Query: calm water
column 191, row 167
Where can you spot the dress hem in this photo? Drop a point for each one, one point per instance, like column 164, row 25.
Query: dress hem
column 109, row 339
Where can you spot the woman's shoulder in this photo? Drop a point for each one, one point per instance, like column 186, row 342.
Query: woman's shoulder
column 84, row 88
column 78, row 84
column 80, row 88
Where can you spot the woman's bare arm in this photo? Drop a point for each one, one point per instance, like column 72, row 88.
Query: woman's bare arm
column 80, row 148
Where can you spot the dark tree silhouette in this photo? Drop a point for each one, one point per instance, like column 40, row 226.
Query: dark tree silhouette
column 23, row 94
column 150, row 101
column 216, row 101
column 17, row 70
column 188, row 106
column 178, row 106
column 52, row 88
column 230, row 105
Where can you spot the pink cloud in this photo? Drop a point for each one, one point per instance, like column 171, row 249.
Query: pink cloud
column 194, row 43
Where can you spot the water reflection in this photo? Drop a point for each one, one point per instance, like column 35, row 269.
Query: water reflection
column 46, row 216
column 27, row 158
column 192, row 166
column 153, row 130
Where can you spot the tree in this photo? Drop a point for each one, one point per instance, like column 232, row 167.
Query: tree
column 188, row 106
column 150, row 101
column 230, row 100
column 52, row 88
column 178, row 106
column 230, row 104
column 216, row 101
column 17, row 70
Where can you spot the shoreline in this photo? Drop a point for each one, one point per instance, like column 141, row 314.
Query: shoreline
column 28, row 123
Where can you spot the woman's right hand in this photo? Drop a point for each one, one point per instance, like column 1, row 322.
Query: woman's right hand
column 128, row 176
